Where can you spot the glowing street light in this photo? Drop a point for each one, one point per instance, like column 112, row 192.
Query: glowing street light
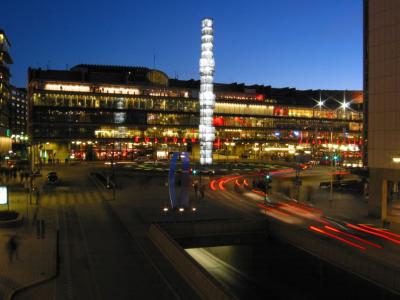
column 344, row 105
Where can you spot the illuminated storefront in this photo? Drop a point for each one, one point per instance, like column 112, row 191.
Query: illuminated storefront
column 122, row 112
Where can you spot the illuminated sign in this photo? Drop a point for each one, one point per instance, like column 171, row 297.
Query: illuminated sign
column 3, row 195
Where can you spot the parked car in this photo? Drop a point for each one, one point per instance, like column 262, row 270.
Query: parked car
column 207, row 172
column 52, row 177
column 36, row 173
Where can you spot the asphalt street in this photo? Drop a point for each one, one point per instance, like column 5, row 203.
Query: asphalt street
column 100, row 259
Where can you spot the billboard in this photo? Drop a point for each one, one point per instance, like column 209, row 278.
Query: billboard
column 3, row 195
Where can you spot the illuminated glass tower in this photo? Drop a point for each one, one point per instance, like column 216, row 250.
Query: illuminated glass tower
column 206, row 95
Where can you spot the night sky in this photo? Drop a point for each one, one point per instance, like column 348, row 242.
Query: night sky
column 296, row 43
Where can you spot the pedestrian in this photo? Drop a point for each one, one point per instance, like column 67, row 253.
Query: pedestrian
column 37, row 194
column 196, row 188
column 202, row 190
column 309, row 192
column 12, row 247
column 21, row 176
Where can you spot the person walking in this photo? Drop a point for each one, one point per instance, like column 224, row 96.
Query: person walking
column 202, row 190
column 196, row 188
column 12, row 248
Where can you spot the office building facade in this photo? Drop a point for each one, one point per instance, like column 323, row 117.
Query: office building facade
column 382, row 88
column 92, row 112
column 18, row 110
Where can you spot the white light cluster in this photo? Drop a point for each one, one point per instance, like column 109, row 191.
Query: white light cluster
column 206, row 95
column 67, row 87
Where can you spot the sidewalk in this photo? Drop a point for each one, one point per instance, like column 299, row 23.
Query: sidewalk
column 37, row 256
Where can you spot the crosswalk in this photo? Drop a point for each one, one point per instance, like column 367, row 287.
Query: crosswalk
column 74, row 197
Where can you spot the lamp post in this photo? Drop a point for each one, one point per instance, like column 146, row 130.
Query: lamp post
column 297, row 181
column 267, row 186
column 113, row 170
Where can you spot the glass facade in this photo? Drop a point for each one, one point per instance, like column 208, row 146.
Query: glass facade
column 141, row 113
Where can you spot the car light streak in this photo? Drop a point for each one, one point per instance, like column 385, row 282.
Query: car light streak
column 212, row 185
column 385, row 232
column 299, row 210
column 221, row 185
column 279, row 215
column 373, row 233
column 353, row 237
column 225, row 180
column 258, row 192
column 321, row 231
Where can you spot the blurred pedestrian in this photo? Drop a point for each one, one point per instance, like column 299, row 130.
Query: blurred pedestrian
column 12, row 247
column 196, row 188
column 202, row 190
column 309, row 192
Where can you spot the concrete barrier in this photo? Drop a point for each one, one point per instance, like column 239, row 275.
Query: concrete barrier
column 200, row 280
column 377, row 270
column 219, row 226
column 18, row 221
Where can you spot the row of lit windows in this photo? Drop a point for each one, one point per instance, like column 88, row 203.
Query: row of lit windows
column 134, row 117
column 120, row 90
column 142, row 103
column 156, row 132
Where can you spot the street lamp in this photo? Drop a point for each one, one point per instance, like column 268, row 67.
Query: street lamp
column 345, row 105
column 267, row 186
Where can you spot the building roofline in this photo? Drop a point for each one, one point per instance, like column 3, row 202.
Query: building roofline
column 5, row 36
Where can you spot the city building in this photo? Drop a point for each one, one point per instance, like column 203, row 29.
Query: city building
column 18, row 120
column 18, row 109
column 5, row 61
column 95, row 112
column 382, row 87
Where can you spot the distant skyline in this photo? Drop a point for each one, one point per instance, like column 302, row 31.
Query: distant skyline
column 304, row 44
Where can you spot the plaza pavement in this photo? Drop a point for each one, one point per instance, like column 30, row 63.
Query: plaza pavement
column 36, row 256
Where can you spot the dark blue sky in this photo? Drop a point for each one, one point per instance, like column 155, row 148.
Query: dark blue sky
column 297, row 43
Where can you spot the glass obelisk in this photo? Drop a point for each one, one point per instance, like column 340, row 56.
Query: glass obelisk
column 206, row 95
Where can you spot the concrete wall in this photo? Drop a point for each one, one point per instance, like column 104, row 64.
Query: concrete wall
column 202, row 282
column 217, row 227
